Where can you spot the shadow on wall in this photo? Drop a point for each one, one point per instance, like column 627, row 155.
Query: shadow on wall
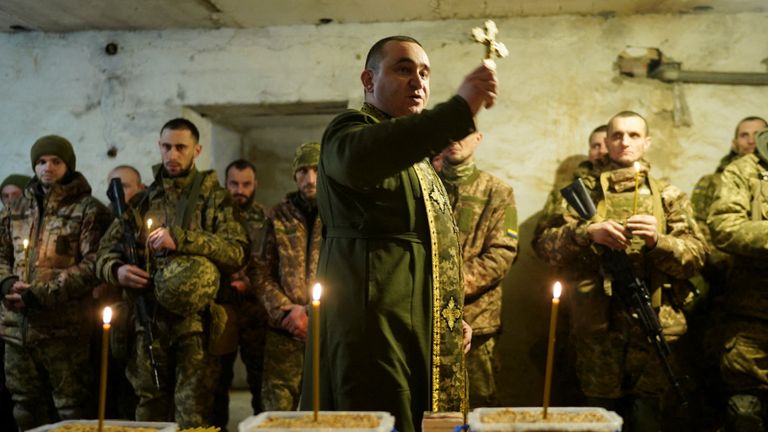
column 526, row 309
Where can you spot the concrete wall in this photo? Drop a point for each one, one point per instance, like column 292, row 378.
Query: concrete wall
column 557, row 84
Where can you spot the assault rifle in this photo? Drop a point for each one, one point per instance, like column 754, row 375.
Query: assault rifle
column 628, row 287
column 117, row 197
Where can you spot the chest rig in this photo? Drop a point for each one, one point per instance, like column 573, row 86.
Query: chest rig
column 618, row 189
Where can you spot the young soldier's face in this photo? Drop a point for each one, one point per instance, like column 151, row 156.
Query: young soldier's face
column 9, row 194
column 306, row 180
column 744, row 141
column 597, row 147
column 627, row 141
column 50, row 169
column 179, row 150
column 241, row 184
column 399, row 86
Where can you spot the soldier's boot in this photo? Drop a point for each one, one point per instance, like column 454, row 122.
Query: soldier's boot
column 221, row 394
column 745, row 412
column 644, row 414
column 30, row 416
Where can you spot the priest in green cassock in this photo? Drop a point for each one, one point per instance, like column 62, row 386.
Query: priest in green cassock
column 391, row 316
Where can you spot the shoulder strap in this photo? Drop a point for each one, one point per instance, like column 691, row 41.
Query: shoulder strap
column 187, row 203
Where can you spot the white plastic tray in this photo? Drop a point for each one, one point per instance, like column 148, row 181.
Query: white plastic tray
column 386, row 424
column 160, row 426
column 612, row 421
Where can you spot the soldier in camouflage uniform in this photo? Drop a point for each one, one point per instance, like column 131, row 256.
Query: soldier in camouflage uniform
column 195, row 237
column 705, row 339
column 617, row 367
column 284, row 274
column 47, row 288
column 738, row 221
column 484, row 210
column 241, row 297
column 11, row 189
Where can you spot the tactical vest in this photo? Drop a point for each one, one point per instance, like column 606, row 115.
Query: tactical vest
column 618, row 206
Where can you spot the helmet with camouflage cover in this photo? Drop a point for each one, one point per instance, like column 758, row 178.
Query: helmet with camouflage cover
column 761, row 144
column 184, row 284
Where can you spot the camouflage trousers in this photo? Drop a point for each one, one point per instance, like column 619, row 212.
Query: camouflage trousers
column 251, row 344
column 483, row 366
column 619, row 363
column 283, row 364
column 188, row 375
column 744, row 369
column 58, row 368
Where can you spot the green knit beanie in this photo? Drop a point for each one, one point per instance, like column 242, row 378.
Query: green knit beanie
column 56, row 146
column 308, row 154
column 18, row 180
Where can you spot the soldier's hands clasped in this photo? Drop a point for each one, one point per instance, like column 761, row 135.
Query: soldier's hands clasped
column 479, row 88
column 296, row 321
column 644, row 226
column 609, row 233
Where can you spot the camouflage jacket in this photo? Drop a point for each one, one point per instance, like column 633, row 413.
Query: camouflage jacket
column 63, row 227
column 738, row 220
column 561, row 239
column 702, row 198
column 485, row 212
column 213, row 232
column 249, row 304
column 287, row 268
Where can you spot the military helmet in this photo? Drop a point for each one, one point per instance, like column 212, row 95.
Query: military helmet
column 185, row 284
column 761, row 146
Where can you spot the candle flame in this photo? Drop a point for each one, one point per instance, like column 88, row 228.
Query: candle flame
column 25, row 243
column 316, row 291
column 149, row 224
column 637, row 166
column 107, row 315
column 557, row 290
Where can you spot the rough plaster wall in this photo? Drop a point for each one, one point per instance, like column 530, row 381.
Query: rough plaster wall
column 556, row 86
column 271, row 147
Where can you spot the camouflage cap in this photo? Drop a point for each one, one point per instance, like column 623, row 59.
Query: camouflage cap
column 761, row 145
column 308, row 154
column 185, row 284
column 56, row 146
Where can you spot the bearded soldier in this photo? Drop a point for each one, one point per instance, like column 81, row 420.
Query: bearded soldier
column 46, row 287
column 616, row 364
column 195, row 237
column 240, row 297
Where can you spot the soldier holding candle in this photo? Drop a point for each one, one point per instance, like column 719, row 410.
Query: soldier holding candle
column 195, row 238
column 45, row 315
column 616, row 365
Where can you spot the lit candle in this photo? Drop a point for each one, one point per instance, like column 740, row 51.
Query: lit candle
column 316, row 291
column 636, row 165
column 26, row 260
column 146, row 247
column 107, row 317
column 551, row 345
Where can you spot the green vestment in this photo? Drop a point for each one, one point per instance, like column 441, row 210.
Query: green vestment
column 390, row 266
